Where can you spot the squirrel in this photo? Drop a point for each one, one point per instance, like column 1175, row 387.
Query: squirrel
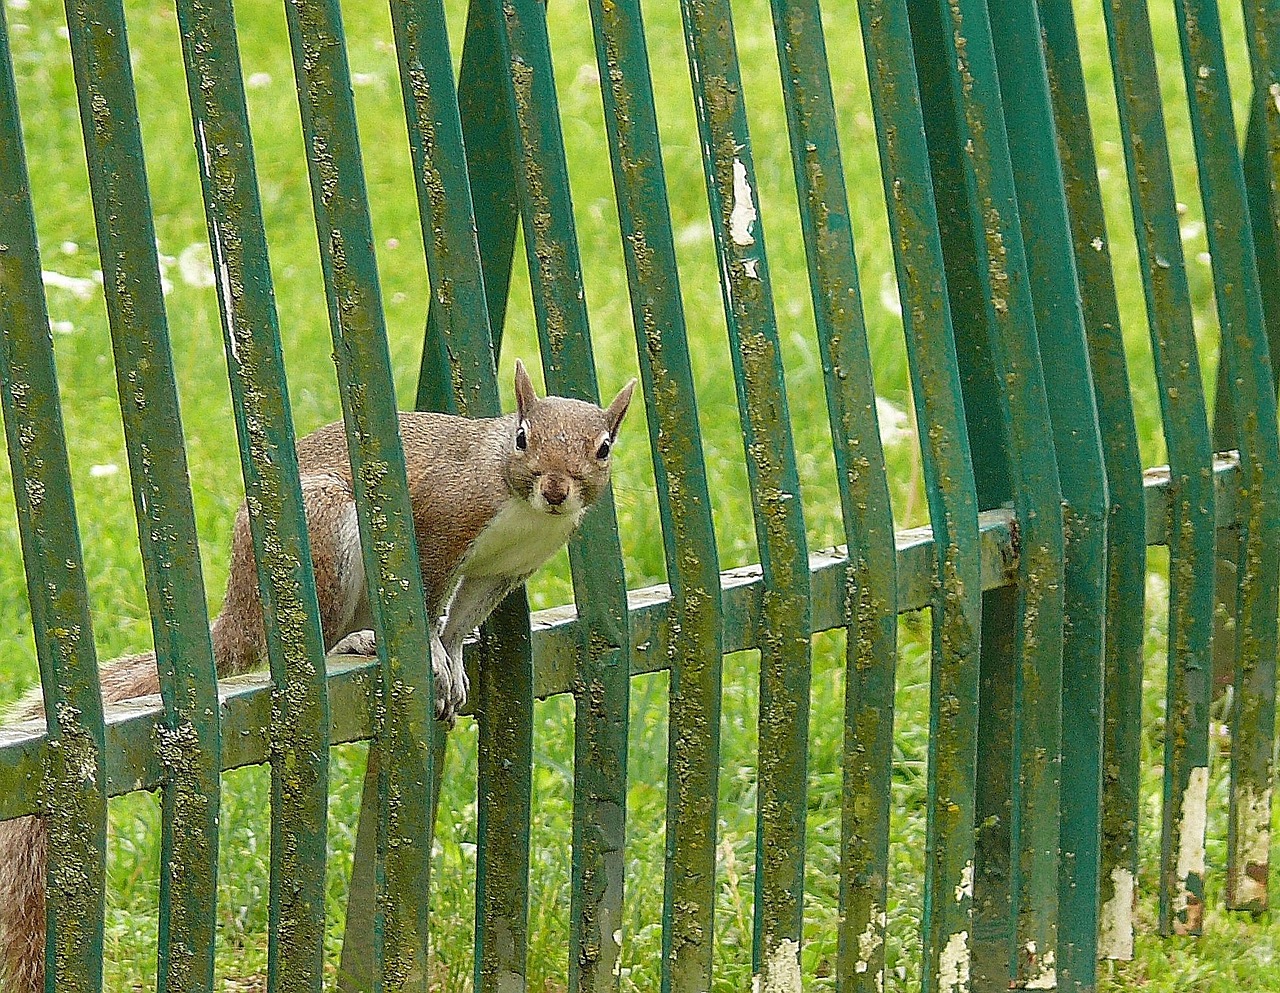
column 492, row 500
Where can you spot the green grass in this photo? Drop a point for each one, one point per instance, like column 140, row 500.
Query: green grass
column 1237, row 953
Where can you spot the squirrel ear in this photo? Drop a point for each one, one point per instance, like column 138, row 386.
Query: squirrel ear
column 525, row 395
column 618, row 409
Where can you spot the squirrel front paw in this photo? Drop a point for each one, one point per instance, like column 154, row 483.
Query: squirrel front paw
column 451, row 683
column 356, row 643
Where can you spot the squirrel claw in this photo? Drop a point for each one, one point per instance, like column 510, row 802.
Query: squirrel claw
column 451, row 683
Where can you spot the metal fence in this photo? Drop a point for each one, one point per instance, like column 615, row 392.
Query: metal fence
column 1033, row 569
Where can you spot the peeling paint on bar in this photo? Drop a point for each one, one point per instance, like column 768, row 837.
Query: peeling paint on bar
column 1047, row 976
column 1253, row 834
column 1188, row 906
column 953, row 964
column 743, row 215
column 871, row 940
column 964, row 889
column 1115, row 922
column 784, row 970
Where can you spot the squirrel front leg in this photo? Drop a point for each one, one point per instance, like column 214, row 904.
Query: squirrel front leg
column 469, row 607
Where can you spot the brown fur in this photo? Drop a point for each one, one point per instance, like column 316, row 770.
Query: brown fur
column 460, row 472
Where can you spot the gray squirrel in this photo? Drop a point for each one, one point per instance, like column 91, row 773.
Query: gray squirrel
column 492, row 500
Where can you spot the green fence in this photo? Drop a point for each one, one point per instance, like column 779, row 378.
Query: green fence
column 1033, row 569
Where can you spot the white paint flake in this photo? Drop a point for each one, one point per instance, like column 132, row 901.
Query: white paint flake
column 1046, row 978
column 965, row 887
column 1115, row 920
column 1191, row 834
column 953, row 964
column 1097, row 243
column 743, row 215
column 1253, row 834
column 784, row 970
column 869, row 942
column 1274, row 90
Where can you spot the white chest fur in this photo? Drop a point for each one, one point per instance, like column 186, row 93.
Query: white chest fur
column 517, row 541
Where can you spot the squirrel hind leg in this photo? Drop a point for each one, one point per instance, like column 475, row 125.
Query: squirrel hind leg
column 23, row 853
column 336, row 557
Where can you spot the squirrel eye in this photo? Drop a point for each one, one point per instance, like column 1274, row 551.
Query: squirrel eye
column 603, row 451
column 522, row 438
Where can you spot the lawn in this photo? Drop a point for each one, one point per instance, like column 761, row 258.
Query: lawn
column 1237, row 953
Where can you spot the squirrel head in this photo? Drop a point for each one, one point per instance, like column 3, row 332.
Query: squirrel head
column 560, row 448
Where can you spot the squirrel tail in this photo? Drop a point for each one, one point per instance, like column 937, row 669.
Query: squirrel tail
column 24, row 845
column 23, row 853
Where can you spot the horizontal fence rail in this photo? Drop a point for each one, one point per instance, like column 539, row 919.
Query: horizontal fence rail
column 134, row 763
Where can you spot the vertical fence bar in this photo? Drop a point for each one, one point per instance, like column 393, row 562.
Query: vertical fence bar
column 948, row 912
column 504, row 709
column 972, row 168
column 684, row 501
column 990, row 948
column 595, row 554
column 1060, row 330
column 775, row 490
column 1191, row 536
column 1126, row 549
column 74, row 792
column 162, row 496
column 277, row 519
column 1251, row 388
column 458, row 351
column 1262, row 154
column 488, row 133
column 871, row 597
column 382, row 500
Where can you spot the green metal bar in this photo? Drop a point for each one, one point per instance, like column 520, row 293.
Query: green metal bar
column 505, row 742
column 162, row 495
column 871, row 641
column 990, row 939
column 595, row 554
column 75, row 778
column 1252, row 391
column 775, row 490
column 1191, row 541
column 277, row 519
column 695, row 650
column 382, row 500
column 1060, row 330
column 489, row 137
column 488, row 133
column 1261, row 167
column 1262, row 153
column 954, row 40
column 1125, row 556
column 955, row 594
column 457, row 352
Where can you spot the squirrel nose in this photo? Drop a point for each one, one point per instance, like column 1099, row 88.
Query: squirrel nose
column 554, row 491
